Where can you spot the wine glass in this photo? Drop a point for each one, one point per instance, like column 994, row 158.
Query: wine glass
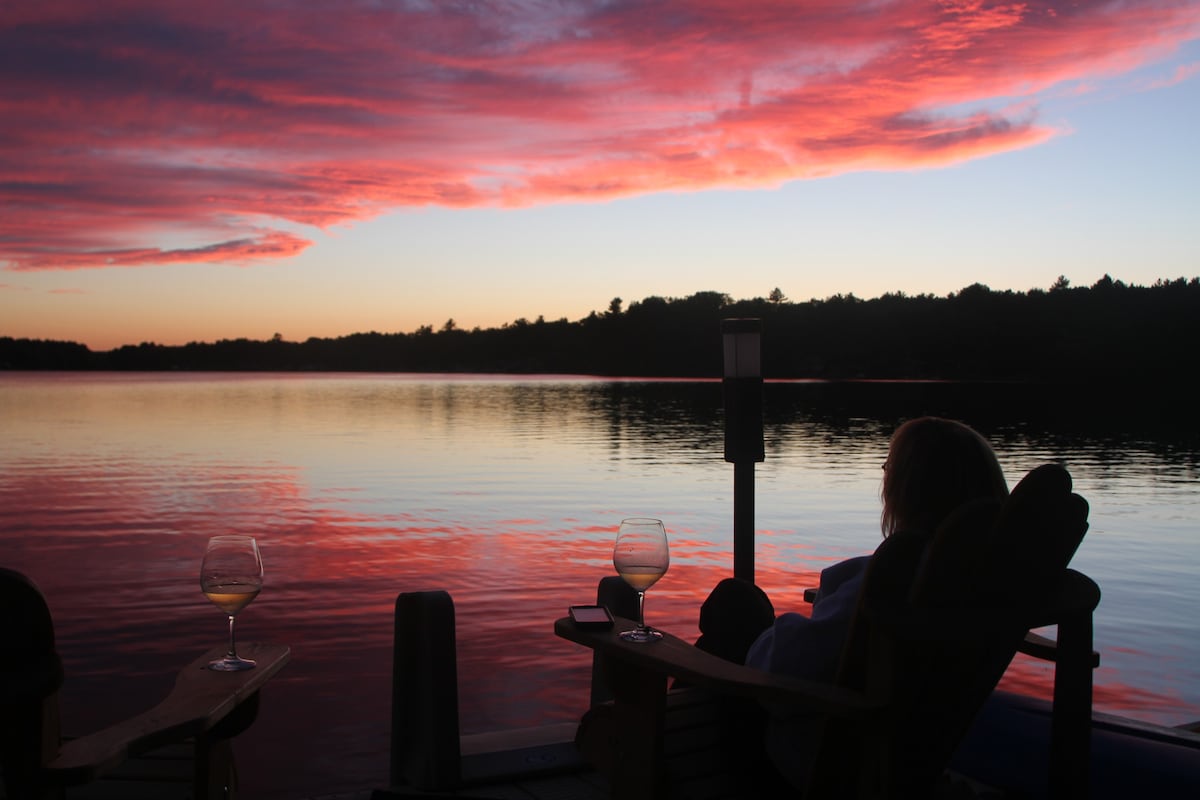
column 231, row 575
column 641, row 557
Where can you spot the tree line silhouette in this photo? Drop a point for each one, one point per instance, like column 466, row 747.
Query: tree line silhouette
column 1062, row 334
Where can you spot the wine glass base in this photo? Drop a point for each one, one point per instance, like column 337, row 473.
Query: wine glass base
column 231, row 664
column 641, row 635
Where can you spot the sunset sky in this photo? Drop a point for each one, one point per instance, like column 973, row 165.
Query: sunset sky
column 175, row 171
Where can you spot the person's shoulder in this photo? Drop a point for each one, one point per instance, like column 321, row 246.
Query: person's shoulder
column 839, row 573
column 839, row 585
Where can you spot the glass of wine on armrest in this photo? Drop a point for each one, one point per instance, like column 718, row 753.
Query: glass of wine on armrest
column 641, row 557
column 231, row 575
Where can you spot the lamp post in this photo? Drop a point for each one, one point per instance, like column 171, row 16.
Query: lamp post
column 742, row 389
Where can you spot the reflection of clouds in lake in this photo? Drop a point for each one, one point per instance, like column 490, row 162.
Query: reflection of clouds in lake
column 507, row 494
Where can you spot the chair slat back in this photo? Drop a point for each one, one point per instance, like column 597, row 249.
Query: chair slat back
column 940, row 617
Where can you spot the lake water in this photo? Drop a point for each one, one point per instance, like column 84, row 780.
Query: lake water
column 507, row 492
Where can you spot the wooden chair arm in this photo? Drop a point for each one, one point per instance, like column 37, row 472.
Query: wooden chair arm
column 1077, row 595
column 673, row 657
column 199, row 701
column 1046, row 649
column 1072, row 604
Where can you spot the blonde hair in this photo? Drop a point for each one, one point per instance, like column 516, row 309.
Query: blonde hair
column 935, row 465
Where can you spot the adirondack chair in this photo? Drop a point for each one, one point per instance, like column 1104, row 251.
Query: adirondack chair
column 205, row 709
column 938, row 621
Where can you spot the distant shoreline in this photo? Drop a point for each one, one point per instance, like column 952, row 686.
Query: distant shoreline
column 1061, row 336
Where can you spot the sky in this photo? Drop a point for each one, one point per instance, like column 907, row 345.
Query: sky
column 174, row 171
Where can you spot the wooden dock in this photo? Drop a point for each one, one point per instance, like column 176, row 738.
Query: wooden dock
column 539, row 763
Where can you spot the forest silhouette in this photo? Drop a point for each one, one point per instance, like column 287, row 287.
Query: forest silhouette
column 1063, row 334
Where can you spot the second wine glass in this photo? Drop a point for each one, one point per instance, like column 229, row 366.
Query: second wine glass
column 641, row 557
column 231, row 575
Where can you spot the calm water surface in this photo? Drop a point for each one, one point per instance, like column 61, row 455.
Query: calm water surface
column 507, row 493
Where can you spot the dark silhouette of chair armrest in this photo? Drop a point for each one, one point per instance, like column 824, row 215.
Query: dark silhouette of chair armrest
column 204, row 705
column 637, row 676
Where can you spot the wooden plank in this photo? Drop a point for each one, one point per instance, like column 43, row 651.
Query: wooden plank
column 572, row 786
column 162, row 774
column 558, row 787
column 1179, row 735
column 200, row 700
column 132, row 790
column 518, row 738
column 519, row 762
column 677, row 658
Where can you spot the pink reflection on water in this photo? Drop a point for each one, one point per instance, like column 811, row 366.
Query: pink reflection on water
column 118, row 561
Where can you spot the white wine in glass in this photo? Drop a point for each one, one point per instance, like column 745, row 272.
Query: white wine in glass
column 231, row 575
column 641, row 557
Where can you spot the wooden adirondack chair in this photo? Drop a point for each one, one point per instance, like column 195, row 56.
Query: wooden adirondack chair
column 939, row 619
column 204, row 709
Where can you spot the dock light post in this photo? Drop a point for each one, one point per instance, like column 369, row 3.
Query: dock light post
column 743, row 391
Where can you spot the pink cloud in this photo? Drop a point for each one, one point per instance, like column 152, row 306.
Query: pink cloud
column 136, row 123
column 271, row 244
column 1184, row 72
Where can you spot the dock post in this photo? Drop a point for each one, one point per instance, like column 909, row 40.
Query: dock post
column 425, row 737
column 743, row 390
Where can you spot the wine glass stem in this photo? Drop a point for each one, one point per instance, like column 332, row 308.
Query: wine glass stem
column 641, row 611
column 232, row 642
